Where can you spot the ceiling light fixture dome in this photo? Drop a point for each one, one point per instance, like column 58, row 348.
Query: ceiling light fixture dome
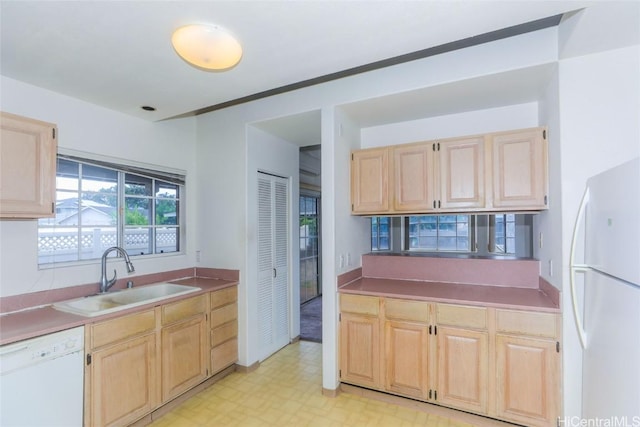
column 207, row 46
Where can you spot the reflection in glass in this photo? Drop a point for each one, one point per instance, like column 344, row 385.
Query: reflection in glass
column 439, row 232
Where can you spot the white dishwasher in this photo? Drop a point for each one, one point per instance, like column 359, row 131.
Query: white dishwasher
column 41, row 380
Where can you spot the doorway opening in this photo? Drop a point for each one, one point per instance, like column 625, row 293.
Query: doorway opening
column 310, row 243
column 310, row 282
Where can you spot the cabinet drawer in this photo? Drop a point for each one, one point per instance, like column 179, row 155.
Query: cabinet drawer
column 223, row 315
column 224, row 355
column 417, row 311
column 527, row 323
column 183, row 309
column 224, row 332
column 224, row 297
column 461, row 315
column 122, row 327
column 359, row 304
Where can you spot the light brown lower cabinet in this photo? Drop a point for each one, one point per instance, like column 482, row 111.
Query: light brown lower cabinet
column 184, row 346
column 135, row 363
column 463, row 368
column 407, row 358
column 360, row 341
column 408, row 347
column 493, row 362
column 224, row 328
column 528, row 367
column 121, row 372
column 462, row 335
column 123, row 380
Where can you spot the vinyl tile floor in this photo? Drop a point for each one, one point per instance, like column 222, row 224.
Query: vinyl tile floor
column 286, row 390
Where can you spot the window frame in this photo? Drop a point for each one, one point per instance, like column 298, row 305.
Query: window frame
column 482, row 238
column 158, row 177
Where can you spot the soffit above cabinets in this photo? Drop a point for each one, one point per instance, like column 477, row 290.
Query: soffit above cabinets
column 491, row 91
column 497, row 90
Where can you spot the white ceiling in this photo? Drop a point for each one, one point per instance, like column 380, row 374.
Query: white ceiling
column 118, row 54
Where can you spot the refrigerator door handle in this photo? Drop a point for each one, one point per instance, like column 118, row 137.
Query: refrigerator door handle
column 577, row 267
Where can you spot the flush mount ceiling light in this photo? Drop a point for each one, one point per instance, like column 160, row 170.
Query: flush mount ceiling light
column 207, row 46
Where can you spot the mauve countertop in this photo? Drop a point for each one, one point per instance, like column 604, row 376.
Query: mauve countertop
column 456, row 293
column 38, row 321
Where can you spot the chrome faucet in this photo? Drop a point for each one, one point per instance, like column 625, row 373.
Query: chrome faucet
column 105, row 283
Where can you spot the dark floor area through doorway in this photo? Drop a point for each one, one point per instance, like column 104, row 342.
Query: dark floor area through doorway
column 311, row 320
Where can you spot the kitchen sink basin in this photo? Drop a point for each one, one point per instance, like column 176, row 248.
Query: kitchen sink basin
column 97, row 305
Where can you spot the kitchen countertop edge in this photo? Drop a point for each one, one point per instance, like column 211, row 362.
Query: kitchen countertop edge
column 43, row 320
column 453, row 293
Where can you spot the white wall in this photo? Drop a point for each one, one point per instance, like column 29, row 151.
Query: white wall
column 92, row 129
column 345, row 238
column 549, row 223
column 604, row 25
column 468, row 123
column 270, row 154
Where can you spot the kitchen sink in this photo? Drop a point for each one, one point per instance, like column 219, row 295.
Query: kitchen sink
column 97, row 305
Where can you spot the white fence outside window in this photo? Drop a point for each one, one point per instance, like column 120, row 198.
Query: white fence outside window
column 64, row 246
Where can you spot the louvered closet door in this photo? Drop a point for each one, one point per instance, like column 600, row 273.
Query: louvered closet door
column 273, row 264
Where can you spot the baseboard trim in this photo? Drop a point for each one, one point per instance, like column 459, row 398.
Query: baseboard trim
column 247, row 369
column 327, row 392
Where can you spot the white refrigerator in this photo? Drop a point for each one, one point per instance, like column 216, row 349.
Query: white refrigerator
column 607, row 237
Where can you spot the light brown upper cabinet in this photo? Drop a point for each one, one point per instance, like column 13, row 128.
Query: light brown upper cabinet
column 27, row 167
column 414, row 188
column 444, row 175
column 461, row 169
column 505, row 171
column 520, row 169
column 370, row 181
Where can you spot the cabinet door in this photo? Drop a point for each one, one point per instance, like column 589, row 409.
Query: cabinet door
column 122, row 382
column 27, row 167
column 463, row 366
column 370, row 181
column 527, row 380
column 414, row 175
column 184, row 356
column 461, row 173
column 520, row 170
column 360, row 350
column 407, row 358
